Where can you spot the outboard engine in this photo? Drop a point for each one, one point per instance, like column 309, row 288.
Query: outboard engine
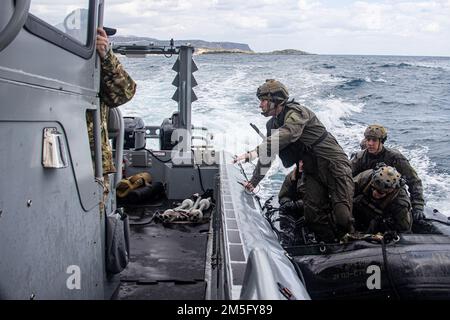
column 168, row 126
column 134, row 133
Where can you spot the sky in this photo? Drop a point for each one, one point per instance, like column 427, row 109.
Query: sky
column 400, row 27
column 387, row 27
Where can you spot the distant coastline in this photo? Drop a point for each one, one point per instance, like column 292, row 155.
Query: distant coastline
column 201, row 51
column 290, row 52
column 204, row 47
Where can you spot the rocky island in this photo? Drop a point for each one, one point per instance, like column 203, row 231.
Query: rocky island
column 289, row 52
column 199, row 51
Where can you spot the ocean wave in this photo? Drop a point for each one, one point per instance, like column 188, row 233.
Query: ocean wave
column 396, row 65
column 328, row 66
column 357, row 82
column 397, row 103
column 436, row 185
column 415, row 65
column 369, row 97
column 227, row 103
column 429, row 66
column 332, row 112
column 354, row 83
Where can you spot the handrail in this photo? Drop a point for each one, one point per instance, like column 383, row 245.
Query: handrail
column 97, row 143
column 119, row 148
column 15, row 24
column 249, row 242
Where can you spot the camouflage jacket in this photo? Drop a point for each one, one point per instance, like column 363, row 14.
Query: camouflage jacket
column 390, row 213
column 289, row 190
column 364, row 161
column 300, row 136
column 116, row 88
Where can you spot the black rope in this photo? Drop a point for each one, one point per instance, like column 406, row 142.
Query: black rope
column 146, row 222
column 169, row 160
column 243, row 171
column 200, row 178
column 298, row 270
column 255, row 190
column 149, row 151
column 199, row 172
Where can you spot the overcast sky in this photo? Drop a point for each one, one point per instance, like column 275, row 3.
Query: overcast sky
column 398, row 27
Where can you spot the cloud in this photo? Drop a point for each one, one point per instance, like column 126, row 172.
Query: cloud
column 277, row 24
column 432, row 27
column 240, row 22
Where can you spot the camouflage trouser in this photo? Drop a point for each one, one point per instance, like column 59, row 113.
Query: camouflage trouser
column 288, row 225
column 329, row 200
column 106, row 189
column 107, row 155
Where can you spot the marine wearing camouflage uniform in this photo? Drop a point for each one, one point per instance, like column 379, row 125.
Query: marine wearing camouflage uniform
column 293, row 189
column 326, row 169
column 392, row 213
column 290, row 198
column 391, row 157
column 116, row 88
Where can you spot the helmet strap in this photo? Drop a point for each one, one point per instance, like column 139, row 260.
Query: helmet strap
column 388, row 199
column 272, row 106
column 380, row 146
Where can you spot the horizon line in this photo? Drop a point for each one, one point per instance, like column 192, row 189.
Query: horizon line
column 308, row 53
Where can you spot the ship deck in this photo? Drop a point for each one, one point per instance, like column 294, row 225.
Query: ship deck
column 167, row 261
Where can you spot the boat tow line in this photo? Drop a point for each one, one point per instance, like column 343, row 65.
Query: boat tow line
column 394, row 237
column 188, row 211
column 246, row 180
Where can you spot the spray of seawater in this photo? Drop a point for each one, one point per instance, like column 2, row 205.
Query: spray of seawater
column 227, row 104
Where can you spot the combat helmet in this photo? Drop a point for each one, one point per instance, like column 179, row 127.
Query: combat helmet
column 272, row 90
column 362, row 144
column 376, row 131
column 386, row 178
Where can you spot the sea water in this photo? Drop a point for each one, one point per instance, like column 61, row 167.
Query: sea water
column 410, row 96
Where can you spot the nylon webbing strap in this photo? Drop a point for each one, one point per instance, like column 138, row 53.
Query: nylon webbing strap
column 321, row 138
